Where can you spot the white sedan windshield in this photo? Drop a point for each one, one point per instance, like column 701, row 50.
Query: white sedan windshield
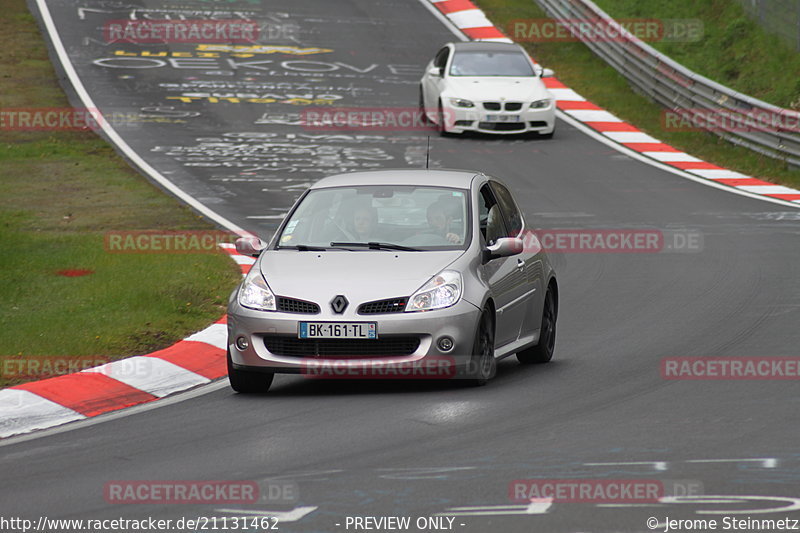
column 490, row 64
column 428, row 218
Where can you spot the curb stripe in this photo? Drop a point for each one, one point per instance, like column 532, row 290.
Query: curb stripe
column 577, row 104
column 472, row 19
column 451, row 6
column 215, row 335
column 151, row 374
column 603, row 127
column 22, row 411
column 686, row 165
column 485, row 33
column 198, row 357
column 651, row 147
column 89, row 394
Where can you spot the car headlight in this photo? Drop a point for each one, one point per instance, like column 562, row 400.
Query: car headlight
column 255, row 293
column 442, row 290
column 541, row 104
column 460, row 102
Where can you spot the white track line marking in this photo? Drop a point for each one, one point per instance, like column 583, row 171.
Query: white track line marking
column 766, row 462
column 657, row 465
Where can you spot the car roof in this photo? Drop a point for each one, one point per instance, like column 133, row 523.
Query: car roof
column 484, row 46
column 460, row 179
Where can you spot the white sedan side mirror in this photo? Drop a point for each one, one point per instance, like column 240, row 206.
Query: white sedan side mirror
column 435, row 71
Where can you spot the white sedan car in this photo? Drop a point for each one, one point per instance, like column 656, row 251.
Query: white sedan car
column 487, row 87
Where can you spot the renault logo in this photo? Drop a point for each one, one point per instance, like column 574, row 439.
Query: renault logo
column 339, row 304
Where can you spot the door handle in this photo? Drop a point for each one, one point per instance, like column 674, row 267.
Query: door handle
column 520, row 263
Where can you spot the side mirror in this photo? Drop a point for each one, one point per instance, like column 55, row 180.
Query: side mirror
column 504, row 247
column 548, row 73
column 435, row 71
column 250, row 246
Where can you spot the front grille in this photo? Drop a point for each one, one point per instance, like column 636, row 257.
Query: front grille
column 491, row 106
column 290, row 305
column 464, row 123
column 513, row 106
column 392, row 305
column 502, row 126
column 538, row 124
column 341, row 348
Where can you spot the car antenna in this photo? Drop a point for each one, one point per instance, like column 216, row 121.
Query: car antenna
column 428, row 152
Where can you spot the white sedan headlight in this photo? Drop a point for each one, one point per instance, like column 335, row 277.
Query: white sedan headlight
column 255, row 293
column 460, row 102
column 541, row 104
column 442, row 290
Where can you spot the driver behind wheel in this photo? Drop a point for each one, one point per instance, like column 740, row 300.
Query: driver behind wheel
column 365, row 218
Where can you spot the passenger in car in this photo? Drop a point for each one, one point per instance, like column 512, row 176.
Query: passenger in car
column 439, row 220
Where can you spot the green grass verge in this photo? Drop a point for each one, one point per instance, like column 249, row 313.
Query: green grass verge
column 60, row 193
column 580, row 69
column 734, row 50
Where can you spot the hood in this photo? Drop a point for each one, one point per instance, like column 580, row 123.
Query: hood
column 361, row 276
column 482, row 88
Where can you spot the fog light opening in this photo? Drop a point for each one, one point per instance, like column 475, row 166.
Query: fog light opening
column 242, row 344
column 445, row 344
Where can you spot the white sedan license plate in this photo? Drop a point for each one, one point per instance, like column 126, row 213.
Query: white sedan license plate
column 337, row 330
column 502, row 118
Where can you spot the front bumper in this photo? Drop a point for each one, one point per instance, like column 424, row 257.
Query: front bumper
column 260, row 329
column 478, row 119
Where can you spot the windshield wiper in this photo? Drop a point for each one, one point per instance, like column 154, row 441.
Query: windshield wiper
column 304, row 248
column 376, row 246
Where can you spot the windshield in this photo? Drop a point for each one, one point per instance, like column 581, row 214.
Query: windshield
column 423, row 218
column 490, row 64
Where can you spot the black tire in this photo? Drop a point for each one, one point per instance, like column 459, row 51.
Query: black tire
column 247, row 382
column 482, row 365
column 423, row 115
column 543, row 352
column 440, row 127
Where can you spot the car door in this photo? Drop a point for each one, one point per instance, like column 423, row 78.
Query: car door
column 434, row 85
column 503, row 274
column 529, row 263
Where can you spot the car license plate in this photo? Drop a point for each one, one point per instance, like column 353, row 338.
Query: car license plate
column 502, row 118
column 337, row 330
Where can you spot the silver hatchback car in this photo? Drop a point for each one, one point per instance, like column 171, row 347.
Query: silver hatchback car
column 393, row 274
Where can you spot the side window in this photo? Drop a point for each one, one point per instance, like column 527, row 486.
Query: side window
column 491, row 219
column 510, row 210
column 441, row 58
